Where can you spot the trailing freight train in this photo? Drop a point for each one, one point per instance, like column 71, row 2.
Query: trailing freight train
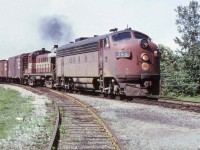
column 120, row 63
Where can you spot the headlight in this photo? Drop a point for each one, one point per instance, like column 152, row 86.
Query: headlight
column 145, row 66
column 144, row 57
column 123, row 54
column 144, row 43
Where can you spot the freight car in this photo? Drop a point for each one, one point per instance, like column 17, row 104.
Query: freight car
column 3, row 70
column 119, row 63
column 16, row 68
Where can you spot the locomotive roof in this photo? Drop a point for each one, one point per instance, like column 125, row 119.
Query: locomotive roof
column 3, row 60
column 89, row 40
column 83, row 42
column 38, row 51
column 42, row 56
column 24, row 54
column 47, row 55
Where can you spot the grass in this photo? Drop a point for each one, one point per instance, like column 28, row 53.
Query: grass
column 62, row 128
column 49, row 122
column 192, row 99
column 12, row 106
column 24, row 121
column 183, row 98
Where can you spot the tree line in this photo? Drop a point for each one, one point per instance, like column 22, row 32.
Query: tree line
column 180, row 69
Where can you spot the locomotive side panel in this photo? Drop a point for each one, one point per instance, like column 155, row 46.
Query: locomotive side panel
column 81, row 65
column 43, row 64
column 31, row 69
column 59, row 66
column 110, row 66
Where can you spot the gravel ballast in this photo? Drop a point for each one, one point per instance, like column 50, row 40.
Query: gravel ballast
column 140, row 126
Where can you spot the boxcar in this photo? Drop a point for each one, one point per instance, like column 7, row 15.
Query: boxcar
column 16, row 67
column 3, row 70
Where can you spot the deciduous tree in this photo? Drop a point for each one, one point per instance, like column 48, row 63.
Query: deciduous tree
column 188, row 25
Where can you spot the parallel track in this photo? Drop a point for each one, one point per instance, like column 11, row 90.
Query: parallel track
column 170, row 103
column 166, row 103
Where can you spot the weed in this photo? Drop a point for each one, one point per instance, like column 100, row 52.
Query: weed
column 62, row 129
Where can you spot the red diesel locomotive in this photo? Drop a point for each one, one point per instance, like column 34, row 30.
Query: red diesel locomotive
column 120, row 63
column 124, row 62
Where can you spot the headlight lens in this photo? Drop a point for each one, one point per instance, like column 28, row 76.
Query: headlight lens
column 123, row 54
column 144, row 57
column 145, row 66
column 144, row 43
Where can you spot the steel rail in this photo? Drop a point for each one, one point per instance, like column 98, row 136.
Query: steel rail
column 52, row 142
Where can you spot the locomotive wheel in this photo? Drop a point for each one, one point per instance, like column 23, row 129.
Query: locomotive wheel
column 101, row 95
column 111, row 96
column 31, row 83
column 49, row 84
column 75, row 91
column 119, row 97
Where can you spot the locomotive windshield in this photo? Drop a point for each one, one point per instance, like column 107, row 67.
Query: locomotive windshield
column 121, row 36
column 139, row 35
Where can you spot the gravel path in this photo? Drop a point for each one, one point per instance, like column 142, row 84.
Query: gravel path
column 146, row 127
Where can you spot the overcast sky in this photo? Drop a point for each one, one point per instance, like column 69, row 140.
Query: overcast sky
column 28, row 25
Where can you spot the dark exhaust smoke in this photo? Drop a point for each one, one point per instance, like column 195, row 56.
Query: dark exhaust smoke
column 55, row 29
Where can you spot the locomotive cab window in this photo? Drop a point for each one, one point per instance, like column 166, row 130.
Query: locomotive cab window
column 139, row 35
column 121, row 36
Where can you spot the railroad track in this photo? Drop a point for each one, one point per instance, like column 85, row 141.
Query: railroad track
column 169, row 103
column 77, row 126
column 80, row 127
column 182, row 105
